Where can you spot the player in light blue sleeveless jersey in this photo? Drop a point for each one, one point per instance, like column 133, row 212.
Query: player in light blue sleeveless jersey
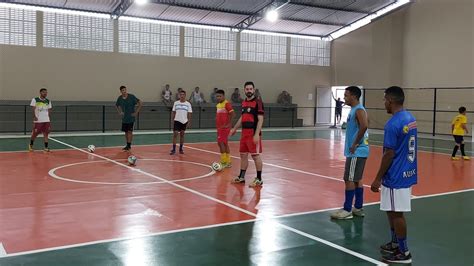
column 356, row 151
column 397, row 173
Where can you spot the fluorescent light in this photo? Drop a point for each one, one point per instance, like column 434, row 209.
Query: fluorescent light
column 364, row 21
column 141, row 2
column 55, row 10
column 272, row 15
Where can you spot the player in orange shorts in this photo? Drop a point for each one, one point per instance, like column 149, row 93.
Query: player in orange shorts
column 224, row 116
column 251, row 137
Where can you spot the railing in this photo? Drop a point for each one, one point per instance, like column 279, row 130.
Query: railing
column 103, row 118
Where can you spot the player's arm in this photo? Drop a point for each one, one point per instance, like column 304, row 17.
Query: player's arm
column 33, row 109
column 139, row 107
column 190, row 115
column 256, row 137
column 464, row 125
column 387, row 159
column 231, row 118
column 237, row 125
column 361, row 118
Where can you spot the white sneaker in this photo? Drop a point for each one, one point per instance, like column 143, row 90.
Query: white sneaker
column 341, row 215
column 358, row 212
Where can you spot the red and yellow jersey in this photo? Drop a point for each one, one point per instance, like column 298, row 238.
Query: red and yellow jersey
column 224, row 109
column 458, row 122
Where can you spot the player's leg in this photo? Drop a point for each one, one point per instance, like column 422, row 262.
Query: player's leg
column 227, row 154
column 258, row 166
column 399, row 223
column 463, row 153
column 359, row 187
column 46, row 129
column 256, row 150
column 244, row 163
column 181, row 141
column 456, row 147
column 175, row 136
column 349, row 192
column 34, row 134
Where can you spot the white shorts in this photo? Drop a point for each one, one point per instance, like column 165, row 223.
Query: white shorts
column 395, row 200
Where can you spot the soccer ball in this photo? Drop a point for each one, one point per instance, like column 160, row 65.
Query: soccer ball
column 91, row 148
column 216, row 166
column 132, row 160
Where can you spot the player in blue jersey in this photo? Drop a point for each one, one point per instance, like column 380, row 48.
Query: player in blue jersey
column 356, row 151
column 397, row 174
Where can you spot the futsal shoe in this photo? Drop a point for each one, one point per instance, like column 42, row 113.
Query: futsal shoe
column 398, row 257
column 466, row 158
column 181, row 152
column 238, row 180
column 341, row 215
column 228, row 165
column 390, row 248
column 358, row 212
column 30, row 147
column 455, row 158
column 46, row 150
column 256, row 183
column 172, row 152
column 126, row 148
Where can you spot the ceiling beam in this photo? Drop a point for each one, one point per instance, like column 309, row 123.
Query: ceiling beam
column 257, row 16
column 296, row 3
column 121, row 8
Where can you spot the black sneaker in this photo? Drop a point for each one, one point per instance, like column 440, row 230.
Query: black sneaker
column 126, row 148
column 390, row 248
column 398, row 257
column 181, row 152
column 172, row 152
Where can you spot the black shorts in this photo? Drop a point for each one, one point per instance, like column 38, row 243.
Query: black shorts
column 354, row 169
column 458, row 139
column 178, row 126
column 127, row 127
column 338, row 111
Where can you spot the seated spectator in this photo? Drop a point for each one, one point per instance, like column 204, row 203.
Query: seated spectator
column 213, row 96
column 166, row 95
column 197, row 97
column 257, row 94
column 284, row 98
column 177, row 94
column 235, row 97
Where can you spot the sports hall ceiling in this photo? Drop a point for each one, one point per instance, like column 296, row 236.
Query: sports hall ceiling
column 303, row 17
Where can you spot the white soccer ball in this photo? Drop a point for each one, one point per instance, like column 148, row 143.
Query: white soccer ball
column 91, row 148
column 132, row 160
column 216, row 166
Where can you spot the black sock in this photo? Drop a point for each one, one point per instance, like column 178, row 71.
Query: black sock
column 129, row 144
column 31, row 142
column 462, row 150
column 181, row 147
column 455, row 151
column 259, row 175
column 174, row 147
column 46, row 144
column 242, row 173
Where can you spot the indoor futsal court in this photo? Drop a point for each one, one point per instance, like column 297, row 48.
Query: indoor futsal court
column 79, row 78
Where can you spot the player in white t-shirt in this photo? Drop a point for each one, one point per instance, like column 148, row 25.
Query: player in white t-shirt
column 41, row 107
column 181, row 115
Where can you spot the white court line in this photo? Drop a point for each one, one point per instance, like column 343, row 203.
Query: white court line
column 208, row 226
column 278, row 166
column 3, row 252
column 361, row 256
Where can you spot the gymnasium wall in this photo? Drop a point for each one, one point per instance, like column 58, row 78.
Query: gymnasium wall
column 428, row 44
column 80, row 75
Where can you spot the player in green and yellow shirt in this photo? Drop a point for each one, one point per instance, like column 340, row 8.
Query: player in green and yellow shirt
column 459, row 129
